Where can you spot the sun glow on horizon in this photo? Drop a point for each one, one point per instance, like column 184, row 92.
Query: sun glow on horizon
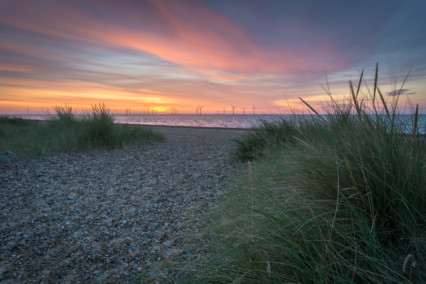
column 192, row 56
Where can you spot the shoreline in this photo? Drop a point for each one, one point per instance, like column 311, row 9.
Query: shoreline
column 163, row 126
column 192, row 127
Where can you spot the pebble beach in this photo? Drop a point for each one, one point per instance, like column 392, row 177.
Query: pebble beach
column 107, row 216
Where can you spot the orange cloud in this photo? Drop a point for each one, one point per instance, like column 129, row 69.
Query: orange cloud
column 203, row 41
column 38, row 95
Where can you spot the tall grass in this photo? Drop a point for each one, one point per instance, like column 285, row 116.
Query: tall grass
column 67, row 131
column 99, row 129
column 64, row 116
column 270, row 136
column 345, row 203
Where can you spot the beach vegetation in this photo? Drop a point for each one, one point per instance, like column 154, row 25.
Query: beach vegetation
column 340, row 199
column 268, row 137
column 67, row 131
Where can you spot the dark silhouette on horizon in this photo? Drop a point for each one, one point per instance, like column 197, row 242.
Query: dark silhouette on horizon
column 233, row 109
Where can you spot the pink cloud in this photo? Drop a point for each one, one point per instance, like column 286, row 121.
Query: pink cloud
column 185, row 33
column 15, row 67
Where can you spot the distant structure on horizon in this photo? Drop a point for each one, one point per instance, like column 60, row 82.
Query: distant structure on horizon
column 174, row 111
column 198, row 110
column 233, row 109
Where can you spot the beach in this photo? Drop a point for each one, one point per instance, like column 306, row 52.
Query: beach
column 107, row 216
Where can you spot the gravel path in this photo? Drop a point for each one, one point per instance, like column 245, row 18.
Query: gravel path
column 106, row 216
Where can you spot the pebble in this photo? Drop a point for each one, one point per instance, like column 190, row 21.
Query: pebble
column 96, row 216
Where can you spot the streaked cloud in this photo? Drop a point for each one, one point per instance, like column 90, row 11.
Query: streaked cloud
column 400, row 92
column 201, row 52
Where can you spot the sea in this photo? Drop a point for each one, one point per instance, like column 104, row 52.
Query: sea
column 214, row 120
column 187, row 120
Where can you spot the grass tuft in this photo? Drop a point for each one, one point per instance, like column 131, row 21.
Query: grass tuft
column 99, row 129
column 271, row 135
column 65, row 132
column 342, row 198
column 64, row 116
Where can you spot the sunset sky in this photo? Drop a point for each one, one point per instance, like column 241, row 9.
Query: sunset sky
column 183, row 54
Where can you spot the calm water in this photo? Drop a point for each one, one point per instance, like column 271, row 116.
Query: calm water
column 208, row 120
column 193, row 120
column 205, row 120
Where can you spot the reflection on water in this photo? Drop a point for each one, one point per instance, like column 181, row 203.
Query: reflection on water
column 212, row 120
column 192, row 120
column 205, row 120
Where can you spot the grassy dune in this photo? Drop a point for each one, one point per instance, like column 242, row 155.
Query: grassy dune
column 339, row 198
column 66, row 132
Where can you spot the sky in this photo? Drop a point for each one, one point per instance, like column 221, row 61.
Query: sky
column 185, row 55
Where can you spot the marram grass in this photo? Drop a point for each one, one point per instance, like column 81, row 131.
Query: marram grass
column 66, row 131
column 342, row 200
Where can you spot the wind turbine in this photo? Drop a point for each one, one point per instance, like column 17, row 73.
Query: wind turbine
column 254, row 110
column 233, row 108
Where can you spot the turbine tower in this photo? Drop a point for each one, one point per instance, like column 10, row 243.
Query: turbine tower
column 200, row 108
column 233, row 108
